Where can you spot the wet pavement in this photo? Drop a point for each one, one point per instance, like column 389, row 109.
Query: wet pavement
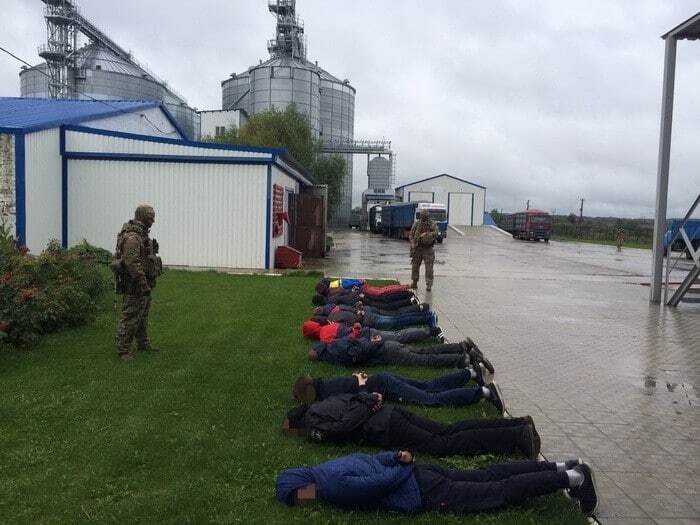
column 576, row 344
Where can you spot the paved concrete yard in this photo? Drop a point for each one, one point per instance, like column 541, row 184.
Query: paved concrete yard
column 577, row 345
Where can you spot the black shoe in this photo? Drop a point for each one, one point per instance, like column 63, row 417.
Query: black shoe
column 571, row 463
column 496, row 397
column 526, row 443
column 425, row 307
column 414, row 299
column 478, row 355
column 479, row 371
column 585, row 493
column 438, row 334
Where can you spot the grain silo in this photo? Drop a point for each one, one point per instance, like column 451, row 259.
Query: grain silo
column 101, row 69
column 288, row 77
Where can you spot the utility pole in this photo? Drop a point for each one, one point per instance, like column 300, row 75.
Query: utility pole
column 581, row 212
column 528, row 204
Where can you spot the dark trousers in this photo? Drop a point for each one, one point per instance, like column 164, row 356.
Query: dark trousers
column 387, row 305
column 487, row 488
column 412, row 308
column 382, row 300
column 407, row 335
column 435, row 356
column 393, row 322
column 446, row 390
column 408, row 431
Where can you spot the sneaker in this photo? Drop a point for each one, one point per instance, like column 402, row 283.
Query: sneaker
column 537, row 439
column 526, row 443
column 414, row 300
column 496, row 398
column 478, row 355
column 428, row 288
column 572, row 462
column 438, row 334
column 425, row 307
column 585, row 493
column 480, row 372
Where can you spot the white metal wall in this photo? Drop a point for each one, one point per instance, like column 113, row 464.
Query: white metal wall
column 211, row 119
column 210, row 215
column 43, row 188
column 151, row 121
column 445, row 189
column 93, row 143
column 280, row 178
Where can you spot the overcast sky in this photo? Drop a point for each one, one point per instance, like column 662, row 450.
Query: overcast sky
column 543, row 100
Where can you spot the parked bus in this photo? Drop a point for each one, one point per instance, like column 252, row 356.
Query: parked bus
column 530, row 225
column 398, row 219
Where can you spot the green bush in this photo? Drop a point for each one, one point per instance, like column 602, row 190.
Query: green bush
column 42, row 294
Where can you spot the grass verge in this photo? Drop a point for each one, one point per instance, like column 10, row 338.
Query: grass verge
column 190, row 435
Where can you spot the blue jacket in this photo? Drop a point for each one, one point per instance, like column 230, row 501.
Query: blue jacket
column 358, row 480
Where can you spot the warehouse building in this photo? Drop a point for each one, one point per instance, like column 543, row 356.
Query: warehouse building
column 465, row 201
column 73, row 170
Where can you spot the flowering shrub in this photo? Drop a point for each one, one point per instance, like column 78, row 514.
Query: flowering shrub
column 45, row 293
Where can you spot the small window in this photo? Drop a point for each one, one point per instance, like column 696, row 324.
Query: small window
column 220, row 131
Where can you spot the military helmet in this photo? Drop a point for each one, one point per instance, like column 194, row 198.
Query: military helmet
column 145, row 214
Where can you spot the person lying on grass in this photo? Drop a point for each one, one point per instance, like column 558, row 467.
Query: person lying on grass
column 330, row 308
column 388, row 301
column 380, row 322
column 329, row 288
column 393, row 481
column 331, row 331
column 363, row 418
column 350, row 351
column 446, row 390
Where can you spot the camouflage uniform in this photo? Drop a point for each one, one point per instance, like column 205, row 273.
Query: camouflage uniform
column 422, row 249
column 620, row 239
column 136, row 268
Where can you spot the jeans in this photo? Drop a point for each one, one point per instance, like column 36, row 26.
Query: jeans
column 407, row 335
column 487, row 488
column 436, row 356
column 408, row 431
column 446, row 390
column 393, row 322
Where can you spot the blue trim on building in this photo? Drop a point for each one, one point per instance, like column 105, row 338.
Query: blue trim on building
column 268, row 218
column 144, row 157
column 472, row 219
column 20, row 191
column 172, row 121
column 441, row 175
column 64, row 190
column 177, row 142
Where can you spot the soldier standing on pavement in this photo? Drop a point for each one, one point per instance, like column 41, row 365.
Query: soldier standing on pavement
column 620, row 239
column 136, row 267
column 423, row 236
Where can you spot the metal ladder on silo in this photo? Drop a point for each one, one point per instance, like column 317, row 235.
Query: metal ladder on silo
column 690, row 286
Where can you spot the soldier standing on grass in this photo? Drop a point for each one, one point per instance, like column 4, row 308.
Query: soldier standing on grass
column 136, row 267
column 423, row 236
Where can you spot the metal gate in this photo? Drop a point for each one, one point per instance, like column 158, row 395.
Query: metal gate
column 307, row 214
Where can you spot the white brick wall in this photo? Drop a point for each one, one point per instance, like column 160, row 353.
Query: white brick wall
column 7, row 182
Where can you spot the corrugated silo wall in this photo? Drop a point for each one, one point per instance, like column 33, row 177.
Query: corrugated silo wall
column 8, row 208
column 338, row 123
column 235, row 93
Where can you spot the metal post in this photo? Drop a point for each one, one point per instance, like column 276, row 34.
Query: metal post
column 663, row 169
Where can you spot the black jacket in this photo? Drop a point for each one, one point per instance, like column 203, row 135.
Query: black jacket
column 346, row 417
column 348, row 351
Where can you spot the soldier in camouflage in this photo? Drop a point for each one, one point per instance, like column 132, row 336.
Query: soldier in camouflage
column 423, row 236
column 136, row 267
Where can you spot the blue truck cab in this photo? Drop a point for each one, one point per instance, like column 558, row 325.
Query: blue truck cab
column 692, row 229
column 398, row 219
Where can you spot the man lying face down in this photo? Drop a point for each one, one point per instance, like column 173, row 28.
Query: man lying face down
column 380, row 322
column 389, row 301
column 350, row 351
column 363, row 418
column 446, row 390
column 329, row 288
column 393, row 481
column 329, row 308
column 314, row 329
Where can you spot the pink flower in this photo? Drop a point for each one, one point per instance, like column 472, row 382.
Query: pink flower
column 5, row 278
column 28, row 294
column 23, row 249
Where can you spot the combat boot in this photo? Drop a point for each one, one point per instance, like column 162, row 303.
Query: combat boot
column 414, row 285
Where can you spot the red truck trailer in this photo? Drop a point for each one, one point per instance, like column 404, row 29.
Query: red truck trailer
column 530, row 225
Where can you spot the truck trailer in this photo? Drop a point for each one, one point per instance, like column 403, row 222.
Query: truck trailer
column 398, row 219
column 530, row 225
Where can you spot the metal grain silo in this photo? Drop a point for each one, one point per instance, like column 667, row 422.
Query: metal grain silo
column 235, row 92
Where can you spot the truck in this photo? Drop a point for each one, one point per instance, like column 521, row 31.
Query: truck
column 398, row 219
column 529, row 225
column 692, row 229
column 375, row 219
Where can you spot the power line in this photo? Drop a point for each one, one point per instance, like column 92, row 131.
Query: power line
column 118, row 109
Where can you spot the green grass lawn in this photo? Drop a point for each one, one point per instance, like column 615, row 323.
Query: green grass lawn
column 628, row 244
column 190, row 435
